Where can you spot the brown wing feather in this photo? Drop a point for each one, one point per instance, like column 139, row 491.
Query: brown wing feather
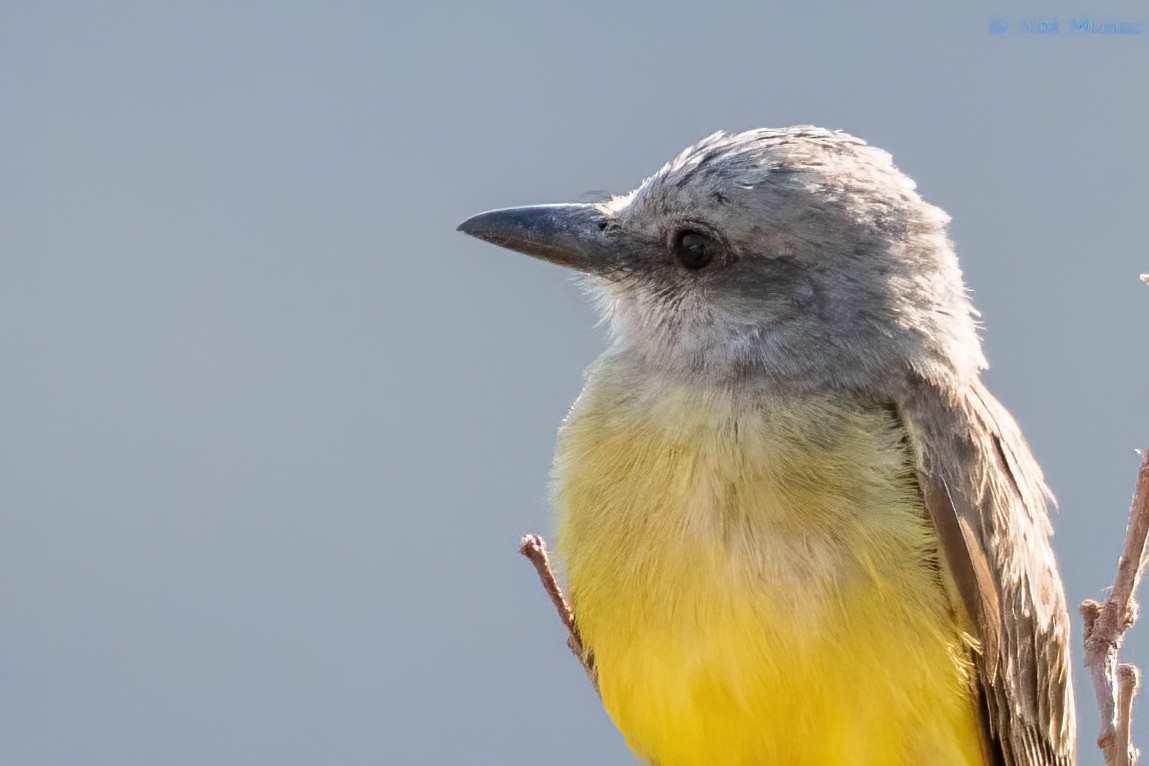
column 988, row 500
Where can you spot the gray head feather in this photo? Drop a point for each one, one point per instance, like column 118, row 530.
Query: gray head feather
column 833, row 269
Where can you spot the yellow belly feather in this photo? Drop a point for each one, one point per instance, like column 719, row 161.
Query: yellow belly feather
column 758, row 582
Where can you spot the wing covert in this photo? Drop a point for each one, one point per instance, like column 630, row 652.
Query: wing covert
column 988, row 500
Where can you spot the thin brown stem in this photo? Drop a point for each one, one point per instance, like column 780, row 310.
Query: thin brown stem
column 1128, row 682
column 1114, row 682
column 535, row 549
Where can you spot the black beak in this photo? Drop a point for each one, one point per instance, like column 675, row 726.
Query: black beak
column 576, row 236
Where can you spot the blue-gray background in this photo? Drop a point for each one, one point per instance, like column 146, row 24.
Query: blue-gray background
column 272, row 429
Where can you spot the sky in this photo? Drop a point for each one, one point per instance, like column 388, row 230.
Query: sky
column 272, row 428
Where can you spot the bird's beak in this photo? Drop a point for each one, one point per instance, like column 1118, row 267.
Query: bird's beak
column 576, row 236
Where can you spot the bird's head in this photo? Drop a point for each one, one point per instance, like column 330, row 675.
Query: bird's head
column 799, row 254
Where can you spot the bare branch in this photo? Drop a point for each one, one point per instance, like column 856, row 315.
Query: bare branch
column 1116, row 683
column 1128, row 682
column 535, row 549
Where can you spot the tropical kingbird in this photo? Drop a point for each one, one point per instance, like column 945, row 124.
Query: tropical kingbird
column 797, row 528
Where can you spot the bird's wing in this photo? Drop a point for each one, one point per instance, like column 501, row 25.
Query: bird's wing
column 987, row 498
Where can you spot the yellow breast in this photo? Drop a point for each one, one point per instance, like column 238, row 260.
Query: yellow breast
column 757, row 580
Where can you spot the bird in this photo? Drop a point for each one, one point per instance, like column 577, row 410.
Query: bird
column 795, row 525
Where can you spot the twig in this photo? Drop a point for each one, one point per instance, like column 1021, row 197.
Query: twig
column 1114, row 682
column 1128, row 682
column 535, row 549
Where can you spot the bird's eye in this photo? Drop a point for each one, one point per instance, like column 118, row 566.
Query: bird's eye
column 694, row 249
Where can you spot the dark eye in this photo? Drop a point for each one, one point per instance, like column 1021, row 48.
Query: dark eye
column 694, row 249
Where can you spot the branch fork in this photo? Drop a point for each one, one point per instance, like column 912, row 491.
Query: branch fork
column 1115, row 682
